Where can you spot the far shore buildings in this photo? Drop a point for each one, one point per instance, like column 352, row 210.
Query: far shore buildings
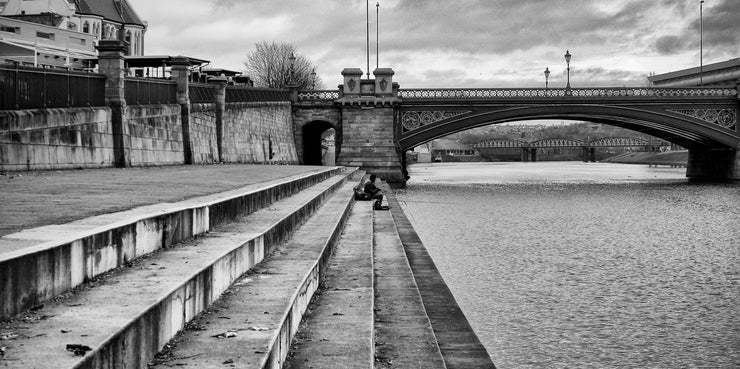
column 64, row 33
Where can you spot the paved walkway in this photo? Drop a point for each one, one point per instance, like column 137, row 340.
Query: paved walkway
column 34, row 199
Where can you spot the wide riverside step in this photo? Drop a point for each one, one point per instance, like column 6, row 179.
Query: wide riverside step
column 403, row 334
column 252, row 325
column 458, row 343
column 338, row 330
column 40, row 263
column 123, row 319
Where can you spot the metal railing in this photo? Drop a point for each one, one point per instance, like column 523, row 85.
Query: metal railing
column 318, row 95
column 597, row 92
column 254, row 94
column 148, row 91
column 38, row 88
column 202, row 93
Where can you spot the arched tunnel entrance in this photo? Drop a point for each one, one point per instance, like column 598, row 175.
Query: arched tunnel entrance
column 319, row 146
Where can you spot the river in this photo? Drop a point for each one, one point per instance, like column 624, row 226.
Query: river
column 586, row 265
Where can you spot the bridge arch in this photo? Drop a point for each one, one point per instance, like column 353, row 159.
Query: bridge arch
column 681, row 129
column 312, row 148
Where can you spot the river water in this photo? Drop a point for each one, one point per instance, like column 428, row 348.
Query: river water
column 586, row 265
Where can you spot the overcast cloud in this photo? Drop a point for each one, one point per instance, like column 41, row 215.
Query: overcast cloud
column 464, row 43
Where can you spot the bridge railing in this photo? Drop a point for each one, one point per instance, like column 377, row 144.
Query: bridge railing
column 318, row 95
column 595, row 92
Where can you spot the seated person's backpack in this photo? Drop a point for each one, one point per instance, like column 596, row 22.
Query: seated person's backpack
column 361, row 195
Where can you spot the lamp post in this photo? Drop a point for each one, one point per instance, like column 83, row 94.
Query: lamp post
column 701, row 42
column 567, row 61
column 313, row 79
column 291, row 59
column 547, row 76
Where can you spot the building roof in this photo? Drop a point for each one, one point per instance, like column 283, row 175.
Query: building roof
column 156, row 61
column 119, row 11
column 732, row 63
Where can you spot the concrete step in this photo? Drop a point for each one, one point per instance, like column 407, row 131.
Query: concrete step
column 458, row 343
column 403, row 334
column 124, row 318
column 39, row 264
column 252, row 325
column 337, row 331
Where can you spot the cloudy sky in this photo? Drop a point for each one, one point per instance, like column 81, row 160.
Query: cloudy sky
column 457, row 43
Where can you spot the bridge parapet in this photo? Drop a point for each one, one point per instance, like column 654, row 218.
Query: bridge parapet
column 549, row 93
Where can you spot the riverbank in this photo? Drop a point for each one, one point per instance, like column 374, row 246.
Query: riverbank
column 672, row 158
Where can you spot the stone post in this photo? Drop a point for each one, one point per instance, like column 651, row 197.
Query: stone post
column 179, row 74
column 352, row 79
column 384, row 82
column 220, row 83
column 111, row 63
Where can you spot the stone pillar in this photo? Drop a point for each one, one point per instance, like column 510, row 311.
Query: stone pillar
column 383, row 82
column 533, row 154
column 352, row 79
column 592, row 154
column 179, row 74
column 708, row 164
column 111, row 63
column 369, row 117
column 584, row 154
column 220, row 84
column 525, row 154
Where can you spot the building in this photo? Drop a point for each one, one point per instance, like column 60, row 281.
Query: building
column 449, row 150
column 64, row 33
column 716, row 74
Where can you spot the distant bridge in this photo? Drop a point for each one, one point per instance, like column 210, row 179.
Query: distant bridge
column 529, row 148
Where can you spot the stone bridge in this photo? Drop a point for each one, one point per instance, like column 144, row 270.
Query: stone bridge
column 376, row 122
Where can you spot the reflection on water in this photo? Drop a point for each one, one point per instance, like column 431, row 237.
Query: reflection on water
column 563, row 265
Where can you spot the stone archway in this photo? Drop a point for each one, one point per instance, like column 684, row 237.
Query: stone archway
column 312, row 134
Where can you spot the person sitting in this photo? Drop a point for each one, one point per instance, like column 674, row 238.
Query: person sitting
column 375, row 193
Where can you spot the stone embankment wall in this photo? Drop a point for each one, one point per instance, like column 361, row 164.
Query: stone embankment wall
column 260, row 132
column 155, row 135
column 44, row 139
column 51, row 139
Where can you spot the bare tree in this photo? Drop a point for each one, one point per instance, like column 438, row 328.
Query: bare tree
column 269, row 66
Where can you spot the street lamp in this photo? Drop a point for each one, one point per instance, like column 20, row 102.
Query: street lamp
column 313, row 79
column 547, row 75
column 291, row 59
column 567, row 61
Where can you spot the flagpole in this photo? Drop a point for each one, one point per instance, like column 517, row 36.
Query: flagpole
column 377, row 34
column 367, row 11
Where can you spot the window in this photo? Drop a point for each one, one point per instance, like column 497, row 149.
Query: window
column 9, row 29
column 48, row 36
column 86, row 27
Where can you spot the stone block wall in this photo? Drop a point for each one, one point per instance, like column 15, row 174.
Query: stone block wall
column 155, row 134
column 368, row 141
column 203, row 133
column 50, row 139
column 253, row 131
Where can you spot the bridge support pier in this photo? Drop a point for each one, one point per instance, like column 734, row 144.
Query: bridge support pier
column 533, row 155
column 592, row 154
column 713, row 164
column 525, row 155
column 368, row 110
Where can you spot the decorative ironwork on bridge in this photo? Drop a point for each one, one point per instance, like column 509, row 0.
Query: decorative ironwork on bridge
column 726, row 118
column 415, row 119
column 318, row 95
column 528, row 93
